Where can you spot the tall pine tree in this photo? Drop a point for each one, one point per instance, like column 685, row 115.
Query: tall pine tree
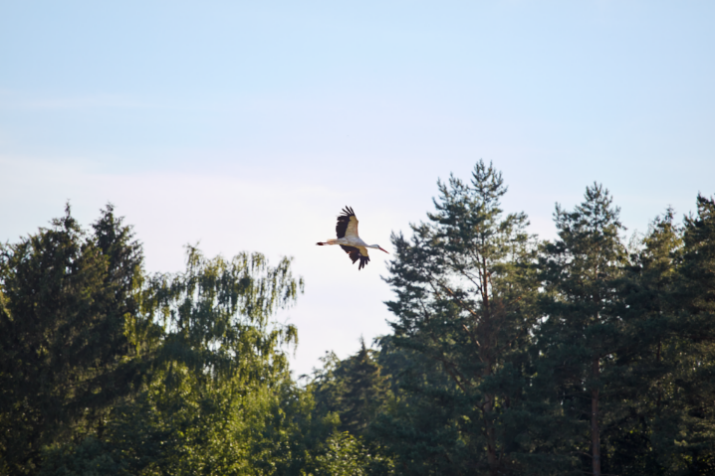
column 580, row 335
column 465, row 290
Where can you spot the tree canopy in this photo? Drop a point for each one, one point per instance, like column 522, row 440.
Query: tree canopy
column 508, row 355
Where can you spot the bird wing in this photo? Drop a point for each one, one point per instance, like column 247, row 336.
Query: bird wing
column 347, row 224
column 357, row 253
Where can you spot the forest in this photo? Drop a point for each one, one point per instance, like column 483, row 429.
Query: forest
column 588, row 354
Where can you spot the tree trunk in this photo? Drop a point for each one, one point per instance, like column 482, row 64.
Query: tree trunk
column 491, row 438
column 595, row 436
column 490, row 431
column 492, row 456
column 658, row 386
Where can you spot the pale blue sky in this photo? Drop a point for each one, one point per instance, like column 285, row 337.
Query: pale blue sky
column 249, row 125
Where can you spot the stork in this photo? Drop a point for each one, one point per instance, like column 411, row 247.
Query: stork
column 348, row 239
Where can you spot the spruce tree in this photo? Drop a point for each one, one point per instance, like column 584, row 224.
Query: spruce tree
column 353, row 390
column 691, row 412
column 365, row 392
column 65, row 298
column 644, row 367
column 669, row 350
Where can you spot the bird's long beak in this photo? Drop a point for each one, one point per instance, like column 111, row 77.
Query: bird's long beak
column 383, row 250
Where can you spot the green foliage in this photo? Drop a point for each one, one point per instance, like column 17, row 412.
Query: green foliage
column 217, row 324
column 646, row 364
column 465, row 289
column 89, row 458
column 346, row 455
column 506, row 358
column 685, row 430
column 352, row 390
column 579, row 340
column 626, row 344
column 64, row 358
column 423, row 424
column 365, row 392
column 112, row 372
column 219, row 372
column 327, row 386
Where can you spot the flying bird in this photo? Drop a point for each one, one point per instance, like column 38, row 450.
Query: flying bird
column 348, row 239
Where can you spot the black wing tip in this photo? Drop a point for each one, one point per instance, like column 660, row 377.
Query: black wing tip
column 343, row 221
column 364, row 260
column 355, row 255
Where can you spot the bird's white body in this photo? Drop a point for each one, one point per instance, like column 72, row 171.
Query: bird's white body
column 348, row 239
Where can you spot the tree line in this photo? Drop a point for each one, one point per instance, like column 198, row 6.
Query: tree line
column 509, row 355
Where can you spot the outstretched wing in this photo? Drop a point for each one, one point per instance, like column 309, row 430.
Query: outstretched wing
column 347, row 224
column 357, row 254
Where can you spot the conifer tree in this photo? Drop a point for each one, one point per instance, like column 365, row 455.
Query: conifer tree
column 64, row 355
column 668, row 350
column 353, row 389
column 691, row 412
column 580, row 335
column 643, row 369
column 365, row 391
column 465, row 290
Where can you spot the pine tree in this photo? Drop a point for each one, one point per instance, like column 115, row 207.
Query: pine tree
column 465, row 291
column 579, row 337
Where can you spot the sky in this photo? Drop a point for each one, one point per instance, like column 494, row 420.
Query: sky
column 248, row 126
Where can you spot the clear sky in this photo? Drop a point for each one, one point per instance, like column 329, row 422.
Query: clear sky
column 249, row 125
